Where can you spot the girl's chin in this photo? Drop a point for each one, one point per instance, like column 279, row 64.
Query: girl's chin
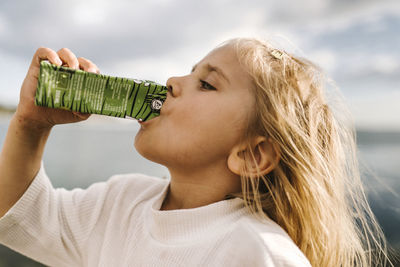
column 146, row 145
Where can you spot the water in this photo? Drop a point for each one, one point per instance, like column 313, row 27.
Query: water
column 78, row 155
column 379, row 155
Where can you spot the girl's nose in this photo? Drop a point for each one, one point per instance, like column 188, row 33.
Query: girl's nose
column 174, row 86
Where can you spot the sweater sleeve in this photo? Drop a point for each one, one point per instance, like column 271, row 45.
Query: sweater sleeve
column 52, row 225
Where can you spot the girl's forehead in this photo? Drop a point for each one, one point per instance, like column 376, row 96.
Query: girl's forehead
column 224, row 55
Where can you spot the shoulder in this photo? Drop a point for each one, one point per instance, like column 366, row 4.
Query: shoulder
column 117, row 191
column 268, row 243
column 136, row 184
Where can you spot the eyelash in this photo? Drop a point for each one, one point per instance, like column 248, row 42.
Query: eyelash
column 206, row 85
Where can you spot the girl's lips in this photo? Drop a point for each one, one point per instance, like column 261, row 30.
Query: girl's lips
column 143, row 122
column 147, row 122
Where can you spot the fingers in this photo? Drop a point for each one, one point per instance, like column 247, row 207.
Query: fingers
column 44, row 53
column 63, row 56
column 88, row 65
column 68, row 58
column 80, row 115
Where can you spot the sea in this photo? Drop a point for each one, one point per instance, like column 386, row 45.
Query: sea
column 80, row 154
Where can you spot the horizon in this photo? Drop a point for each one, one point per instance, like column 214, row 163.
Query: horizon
column 95, row 119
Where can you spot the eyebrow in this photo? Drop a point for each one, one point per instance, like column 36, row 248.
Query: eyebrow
column 211, row 68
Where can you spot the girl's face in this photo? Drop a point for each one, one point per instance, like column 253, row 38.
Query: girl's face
column 203, row 117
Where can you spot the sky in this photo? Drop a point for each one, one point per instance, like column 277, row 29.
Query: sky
column 356, row 42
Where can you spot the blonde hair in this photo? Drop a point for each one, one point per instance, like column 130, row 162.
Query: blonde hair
column 315, row 192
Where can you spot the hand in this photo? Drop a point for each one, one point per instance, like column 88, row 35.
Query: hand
column 37, row 117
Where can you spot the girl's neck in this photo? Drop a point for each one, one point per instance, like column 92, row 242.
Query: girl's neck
column 192, row 189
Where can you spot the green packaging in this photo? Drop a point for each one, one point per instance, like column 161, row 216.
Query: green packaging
column 77, row 90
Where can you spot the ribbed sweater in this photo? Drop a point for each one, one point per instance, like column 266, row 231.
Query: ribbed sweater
column 119, row 223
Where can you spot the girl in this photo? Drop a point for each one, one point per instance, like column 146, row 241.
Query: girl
column 262, row 174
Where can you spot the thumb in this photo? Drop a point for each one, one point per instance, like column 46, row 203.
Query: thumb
column 80, row 115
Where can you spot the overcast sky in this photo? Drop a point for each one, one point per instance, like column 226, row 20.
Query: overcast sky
column 356, row 42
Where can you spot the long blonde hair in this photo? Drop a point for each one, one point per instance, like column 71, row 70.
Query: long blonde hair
column 315, row 193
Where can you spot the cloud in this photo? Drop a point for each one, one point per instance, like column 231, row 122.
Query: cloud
column 326, row 58
column 385, row 63
column 354, row 41
column 365, row 49
column 13, row 71
column 377, row 110
column 3, row 25
column 110, row 32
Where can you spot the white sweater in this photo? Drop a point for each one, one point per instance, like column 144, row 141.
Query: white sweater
column 118, row 223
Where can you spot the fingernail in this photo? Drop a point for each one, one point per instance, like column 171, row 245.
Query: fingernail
column 59, row 61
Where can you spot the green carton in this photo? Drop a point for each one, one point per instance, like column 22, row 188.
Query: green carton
column 77, row 90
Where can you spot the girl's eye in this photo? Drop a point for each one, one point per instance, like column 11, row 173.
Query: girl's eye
column 206, row 85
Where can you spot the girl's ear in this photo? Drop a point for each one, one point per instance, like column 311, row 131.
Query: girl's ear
column 266, row 153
